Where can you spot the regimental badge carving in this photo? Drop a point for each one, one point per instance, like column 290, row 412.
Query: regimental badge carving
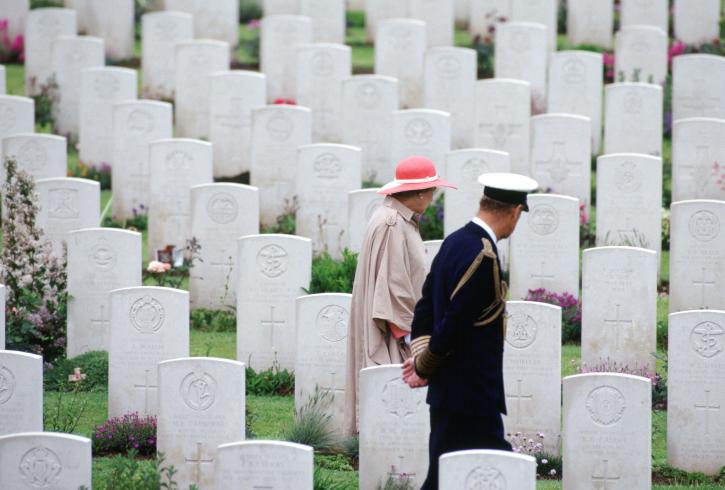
column 327, row 166
column 198, row 391
column 632, row 102
column 272, row 261
column 400, row 38
column 418, row 132
column 140, row 122
column 102, row 254
column 106, row 85
column 606, row 405
column 63, row 204
column 521, row 331
column 147, row 315
column 332, row 323
column 543, row 219
column 520, row 41
column 628, row 177
column 76, row 57
column 473, row 168
column 573, row 71
column 166, row 30
column 368, row 96
column 704, row 226
column 448, row 67
column 32, row 156
column 485, row 478
column 399, row 400
column 49, row 26
column 280, row 127
column 7, row 117
column 40, row 467
column 178, row 161
column 707, row 339
column 7, row 384
column 322, row 64
column 222, row 208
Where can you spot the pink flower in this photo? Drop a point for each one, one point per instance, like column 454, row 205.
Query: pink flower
column 608, row 59
column 156, row 267
column 253, row 24
column 677, row 48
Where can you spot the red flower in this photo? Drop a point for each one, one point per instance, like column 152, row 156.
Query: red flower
column 284, row 102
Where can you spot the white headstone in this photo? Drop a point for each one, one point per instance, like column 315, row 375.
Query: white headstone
column 619, row 307
column 695, row 402
column 70, row 55
column 485, row 15
column 21, row 391
column 641, row 55
column 607, row 427
column 3, row 82
column 561, row 155
column 538, row 11
column 698, row 159
column 432, row 247
column 696, row 21
column 281, row 35
column 273, row 271
column 450, row 78
column 201, row 406
column 394, row 429
column 644, row 12
column 280, row 7
column 439, row 18
column 320, row 366
column 327, row 172
column 45, row 460
column 148, row 325
column 277, row 132
column 100, row 88
column 422, row 132
column 400, row 46
column 160, row 32
column 264, row 465
column 487, row 468
column 545, row 247
column 377, row 11
column 575, row 87
column 367, row 104
column 99, row 261
column 43, row 26
column 17, row 115
column 633, row 118
column 135, row 125
column 15, row 12
column 502, row 121
column 43, row 156
column 521, row 53
column 233, row 96
column 361, row 205
column 116, row 26
column 66, row 204
column 590, row 23
column 81, row 9
column 697, row 81
column 195, row 61
column 321, row 68
column 220, row 213
column 328, row 19
column 462, row 12
column 697, row 255
column 213, row 19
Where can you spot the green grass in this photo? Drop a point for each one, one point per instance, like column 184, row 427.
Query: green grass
column 217, row 344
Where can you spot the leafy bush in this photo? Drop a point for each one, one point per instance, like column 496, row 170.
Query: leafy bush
column 547, row 466
column 37, row 4
column 100, row 173
column 274, row 381
column 46, row 97
column 249, row 11
column 130, row 473
column 324, row 481
column 213, row 320
column 431, row 222
column 286, row 222
column 118, row 435
column 571, row 312
column 93, row 364
column 312, row 424
column 355, row 19
column 351, row 447
column 665, row 229
column 334, row 462
column 139, row 222
column 333, row 276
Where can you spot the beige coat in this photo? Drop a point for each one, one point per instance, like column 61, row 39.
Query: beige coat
column 388, row 283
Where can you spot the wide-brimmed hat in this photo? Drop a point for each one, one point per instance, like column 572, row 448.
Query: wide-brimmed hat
column 415, row 173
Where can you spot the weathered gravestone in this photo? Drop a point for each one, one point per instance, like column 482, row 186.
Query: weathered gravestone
column 281, row 35
column 697, row 255
column 43, row 156
column 502, row 120
column 14, row 13
column 590, row 23
column 394, row 429
column 485, row 16
column 327, row 172
column 521, row 53
column 575, row 87
column 33, row 460
column 540, row 12
column 361, row 205
column 66, row 204
column 377, row 11
column 367, row 104
column 321, row 68
column 487, row 468
column 695, row 401
column 234, row 94
column 3, row 82
column 17, row 115
column 99, row 261
column 213, row 19
column 545, row 247
column 619, row 307
column 532, row 372
column 644, row 12
column 438, row 16
column 21, row 390
column 422, row 132
column 43, row 26
column 400, row 46
column 697, row 81
column 195, row 61
column 264, row 465
column 176, row 165
column 320, row 365
column 432, row 247
column 70, row 55
column 220, row 213
column 201, row 406
column 698, row 159
column 641, row 54
column 273, row 271
column 101, row 87
column 160, row 32
column 633, row 118
column 607, row 428
column 696, row 21
column 148, row 325
column 277, row 132
column 328, row 19
column 116, row 26
column 135, row 125
column 449, row 81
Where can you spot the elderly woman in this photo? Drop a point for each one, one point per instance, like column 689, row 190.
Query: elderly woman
column 389, row 278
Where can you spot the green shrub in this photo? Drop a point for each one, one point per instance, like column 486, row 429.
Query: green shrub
column 213, row 320
column 38, row 4
column 431, row 222
column 312, row 425
column 130, row 473
column 93, row 364
column 333, row 276
column 118, row 435
column 101, row 173
column 351, row 447
column 548, row 466
column 333, row 462
column 325, row 481
column 249, row 11
column 274, row 381
column 286, row 223
column 139, row 222
column 356, row 19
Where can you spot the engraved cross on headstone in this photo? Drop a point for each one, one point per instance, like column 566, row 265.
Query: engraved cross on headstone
column 617, row 322
column 703, row 283
column 332, row 386
column 397, row 471
column 543, row 276
column 700, row 170
column 604, row 478
column 519, row 396
column 198, row 461
column 559, row 166
column 707, row 407
column 146, row 387
column 102, row 321
column 498, row 129
column 271, row 323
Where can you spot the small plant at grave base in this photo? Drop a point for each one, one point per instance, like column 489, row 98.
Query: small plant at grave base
column 333, row 276
column 252, row 44
column 571, row 311
column 399, row 482
column 11, row 47
column 273, row 381
column 484, row 45
column 547, row 466
column 630, row 238
column 312, row 424
column 118, row 435
column 45, row 99
column 587, row 236
column 323, row 481
column 93, row 365
column 101, row 173
column 286, row 223
column 139, row 221
column 431, row 221
column 168, row 275
column 608, row 59
column 213, row 320
column 131, row 473
column 665, row 229
column 69, row 408
column 34, row 278
column 351, row 448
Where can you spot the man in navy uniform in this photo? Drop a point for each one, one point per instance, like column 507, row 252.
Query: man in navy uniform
column 459, row 327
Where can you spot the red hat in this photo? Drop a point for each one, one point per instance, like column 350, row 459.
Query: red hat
column 414, row 174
